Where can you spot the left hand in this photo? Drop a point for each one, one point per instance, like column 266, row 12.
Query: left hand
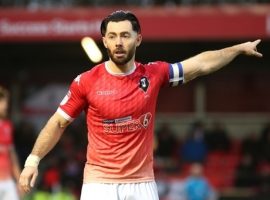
column 250, row 48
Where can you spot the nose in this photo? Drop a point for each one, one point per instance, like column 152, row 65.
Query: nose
column 119, row 41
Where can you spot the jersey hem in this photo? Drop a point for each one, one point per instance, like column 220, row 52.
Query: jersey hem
column 119, row 181
column 64, row 114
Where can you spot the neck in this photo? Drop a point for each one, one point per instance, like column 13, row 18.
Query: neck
column 118, row 69
column 115, row 70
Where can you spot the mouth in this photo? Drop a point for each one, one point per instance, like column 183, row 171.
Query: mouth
column 120, row 53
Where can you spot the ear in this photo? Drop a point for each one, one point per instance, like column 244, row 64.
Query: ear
column 138, row 40
column 104, row 42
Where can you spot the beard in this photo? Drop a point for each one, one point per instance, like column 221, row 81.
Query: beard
column 120, row 61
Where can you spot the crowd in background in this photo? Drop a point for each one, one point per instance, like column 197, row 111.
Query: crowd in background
column 67, row 3
column 228, row 162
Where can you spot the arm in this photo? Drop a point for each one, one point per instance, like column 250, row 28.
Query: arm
column 46, row 140
column 49, row 135
column 210, row 61
column 16, row 170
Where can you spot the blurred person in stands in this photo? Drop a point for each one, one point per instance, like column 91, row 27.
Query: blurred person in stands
column 119, row 97
column 194, row 148
column 9, row 165
column 24, row 133
column 264, row 144
column 250, row 146
column 166, row 146
column 196, row 186
column 217, row 138
column 245, row 174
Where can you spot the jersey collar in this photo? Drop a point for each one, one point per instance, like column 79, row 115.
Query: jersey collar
column 119, row 74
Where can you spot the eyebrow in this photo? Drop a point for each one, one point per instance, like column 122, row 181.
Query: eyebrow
column 121, row 33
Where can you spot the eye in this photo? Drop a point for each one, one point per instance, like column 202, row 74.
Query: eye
column 111, row 36
column 126, row 36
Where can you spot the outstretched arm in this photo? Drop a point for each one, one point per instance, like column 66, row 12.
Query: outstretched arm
column 210, row 61
column 46, row 140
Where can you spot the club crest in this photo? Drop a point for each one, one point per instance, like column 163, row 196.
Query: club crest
column 144, row 83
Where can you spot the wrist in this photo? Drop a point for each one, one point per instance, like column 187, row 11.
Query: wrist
column 239, row 49
column 32, row 161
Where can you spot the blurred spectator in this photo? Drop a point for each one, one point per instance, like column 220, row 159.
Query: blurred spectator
column 24, row 134
column 196, row 186
column 166, row 147
column 250, row 146
column 264, row 179
column 246, row 172
column 264, row 143
column 217, row 138
column 9, row 164
column 194, row 148
column 263, row 168
column 51, row 175
column 166, row 141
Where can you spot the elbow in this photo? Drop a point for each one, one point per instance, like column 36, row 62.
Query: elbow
column 63, row 124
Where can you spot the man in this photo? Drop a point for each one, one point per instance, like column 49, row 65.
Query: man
column 119, row 98
column 9, row 165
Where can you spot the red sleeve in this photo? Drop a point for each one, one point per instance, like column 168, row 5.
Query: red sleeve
column 74, row 101
column 161, row 69
column 170, row 73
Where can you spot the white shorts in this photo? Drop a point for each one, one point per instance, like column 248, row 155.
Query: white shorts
column 8, row 190
column 119, row 191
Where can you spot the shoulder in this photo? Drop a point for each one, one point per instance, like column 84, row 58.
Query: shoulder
column 90, row 75
column 154, row 67
column 153, row 64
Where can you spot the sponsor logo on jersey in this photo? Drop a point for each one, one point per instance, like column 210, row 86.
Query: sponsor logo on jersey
column 106, row 92
column 117, row 121
column 144, row 83
column 126, row 124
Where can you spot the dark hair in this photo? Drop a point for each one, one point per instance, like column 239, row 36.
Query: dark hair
column 118, row 16
column 3, row 93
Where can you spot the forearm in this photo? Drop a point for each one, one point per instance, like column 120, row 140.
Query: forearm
column 49, row 136
column 47, row 139
column 210, row 61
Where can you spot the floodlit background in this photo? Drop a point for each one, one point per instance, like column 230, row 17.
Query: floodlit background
column 221, row 121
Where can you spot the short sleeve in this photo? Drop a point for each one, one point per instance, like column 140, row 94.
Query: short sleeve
column 74, row 102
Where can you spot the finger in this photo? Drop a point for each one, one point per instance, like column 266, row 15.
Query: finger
column 33, row 180
column 257, row 54
column 256, row 42
column 24, row 184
